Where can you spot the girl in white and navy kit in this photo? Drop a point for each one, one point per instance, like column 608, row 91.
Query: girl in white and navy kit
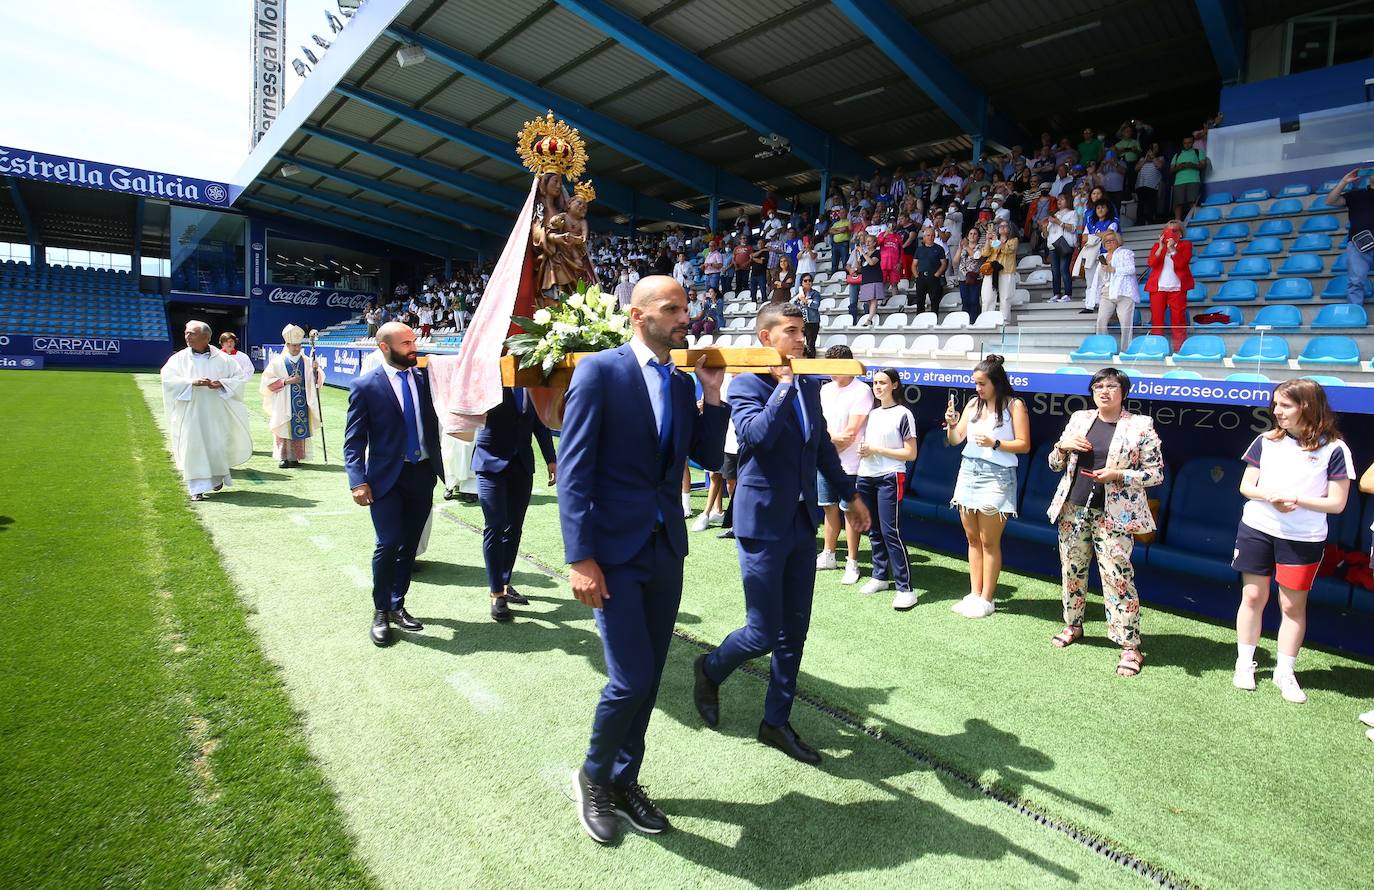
column 1297, row 475
column 889, row 443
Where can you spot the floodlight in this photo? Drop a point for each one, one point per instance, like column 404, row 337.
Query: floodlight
column 301, row 68
column 348, row 7
column 309, row 55
column 320, row 41
column 335, row 26
column 289, row 170
column 410, row 55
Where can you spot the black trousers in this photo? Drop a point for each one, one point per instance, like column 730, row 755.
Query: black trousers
column 505, row 497
column 928, row 288
column 812, row 329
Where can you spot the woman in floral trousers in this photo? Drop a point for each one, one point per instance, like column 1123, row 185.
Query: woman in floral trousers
column 1108, row 456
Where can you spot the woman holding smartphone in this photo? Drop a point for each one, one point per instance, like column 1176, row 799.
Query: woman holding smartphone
column 1297, row 474
column 889, row 443
column 1108, row 456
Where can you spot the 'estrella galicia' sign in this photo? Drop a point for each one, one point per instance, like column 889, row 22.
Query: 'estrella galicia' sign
column 111, row 177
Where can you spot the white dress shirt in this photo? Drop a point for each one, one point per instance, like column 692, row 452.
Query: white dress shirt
column 391, row 375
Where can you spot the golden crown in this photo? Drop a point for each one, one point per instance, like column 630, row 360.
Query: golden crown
column 586, row 191
column 547, row 145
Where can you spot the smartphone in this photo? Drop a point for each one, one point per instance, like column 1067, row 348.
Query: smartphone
column 1088, row 473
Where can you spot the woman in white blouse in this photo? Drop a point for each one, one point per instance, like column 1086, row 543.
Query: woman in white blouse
column 1118, row 292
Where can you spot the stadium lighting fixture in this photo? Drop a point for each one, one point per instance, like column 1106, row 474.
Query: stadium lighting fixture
column 302, row 69
column 857, row 96
column 309, row 55
column 410, row 55
column 727, row 136
column 289, row 170
column 1097, row 23
column 348, row 7
column 1110, row 102
column 320, row 41
column 335, row 26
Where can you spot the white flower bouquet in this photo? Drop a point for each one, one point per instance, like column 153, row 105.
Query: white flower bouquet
column 586, row 321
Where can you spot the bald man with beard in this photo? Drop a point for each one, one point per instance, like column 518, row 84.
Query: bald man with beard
column 392, row 455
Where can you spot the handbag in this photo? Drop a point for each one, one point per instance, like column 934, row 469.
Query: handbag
column 985, row 269
column 854, row 278
column 1363, row 240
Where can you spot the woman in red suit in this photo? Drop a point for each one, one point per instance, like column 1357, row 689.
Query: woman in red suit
column 1169, row 283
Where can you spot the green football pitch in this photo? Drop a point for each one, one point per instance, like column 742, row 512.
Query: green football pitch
column 191, row 699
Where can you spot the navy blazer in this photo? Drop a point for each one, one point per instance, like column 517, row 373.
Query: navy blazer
column 613, row 483
column 375, row 435
column 506, row 438
column 777, row 465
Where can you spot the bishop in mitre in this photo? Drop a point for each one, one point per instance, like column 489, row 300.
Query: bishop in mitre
column 290, row 388
column 202, row 393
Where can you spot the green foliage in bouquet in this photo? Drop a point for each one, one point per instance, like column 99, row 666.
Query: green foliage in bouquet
column 587, row 321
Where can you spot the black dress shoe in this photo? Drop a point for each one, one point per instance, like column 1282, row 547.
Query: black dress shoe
column 786, row 740
column 404, row 620
column 285, row 464
column 515, row 597
column 467, row 498
column 633, row 802
column 706, row 693
column 381, row 629
column 499, row 610
column 595, row 808
column 728, row 534
column 450, row 493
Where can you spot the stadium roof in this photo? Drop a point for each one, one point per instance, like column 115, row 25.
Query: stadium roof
column 672, row 95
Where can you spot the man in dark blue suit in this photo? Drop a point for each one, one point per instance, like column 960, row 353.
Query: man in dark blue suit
column 783, row 441
column 504, row 463
column 630, row 422
column 391, row 452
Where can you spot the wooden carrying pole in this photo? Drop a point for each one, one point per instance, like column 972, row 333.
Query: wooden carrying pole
column 735, row 360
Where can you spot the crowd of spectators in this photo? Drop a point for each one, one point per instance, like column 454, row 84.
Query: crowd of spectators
column 434, row 304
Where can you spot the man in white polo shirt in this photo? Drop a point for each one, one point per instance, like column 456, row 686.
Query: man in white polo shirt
column 845, row 402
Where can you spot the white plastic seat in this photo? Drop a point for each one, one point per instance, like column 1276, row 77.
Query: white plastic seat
column 865, row 343
column 892, row 344
column 739, row 323
column 904, row 285
column 959, row 344
column 729, row 295
column 896, row 301
column 827, row 322
column 1020, row 297
column 925, row 344
column 725, row 340
column 924, row 322
column 829, row 304
column 988, row 321
column 955, row 321
column 834, row 340
column 705, row 340
column 750, row 308
column 950, row 301
column 1030, row 261
column 1038, row 276
column 893, row 321
column 732, row 309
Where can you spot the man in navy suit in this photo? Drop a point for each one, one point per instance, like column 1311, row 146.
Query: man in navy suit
column 630, row 422
column 783, row 441
column 504, row 463
column 391, row 452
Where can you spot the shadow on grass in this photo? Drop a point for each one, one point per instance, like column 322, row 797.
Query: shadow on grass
column 269, row 499
column 251, row 474
column 5, row 522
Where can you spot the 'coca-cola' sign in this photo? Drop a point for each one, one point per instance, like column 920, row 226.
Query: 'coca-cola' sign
column 309, row 297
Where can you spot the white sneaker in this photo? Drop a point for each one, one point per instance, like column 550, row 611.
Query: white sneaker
column 702, row 524
column 1369, row 734
column 1244, row 677
column 875, row 586
column 851, row 572
column 717, row 518
column 979, row 608
column 1367, row 718
column 905, row 599
column 825, row 560
column 1288, row 685
column 959, row 607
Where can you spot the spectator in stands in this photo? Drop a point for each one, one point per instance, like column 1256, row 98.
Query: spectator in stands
column 684, row 273
column 1064, row 156
column 949, row 182
column 738, row 270
column 772, row 226
column 890, row 258
column 373, row 317
column 1108, row 456
column 782, row 281
column 623, row 290
column 968, row 259
column 846, row 403
column 839, row 239
column 229, row 345
column 791, row 245
column 425, row 315
column 1118, row 291
column 715, row 310
column 1359, row 252
column 713, row 264
column 1064, row 180
column 999, row 269
column 806, row 259
column 1170, row 280
column 758, row 270
column 1097, row 224
column 870, row 280
column 1113, row 178
column 930, row 265
column 1127, row 149
column 809, row 299
column 699, row 320
column 996, row 425
column 1090, row 149
column 910, row 233
column 1149, row 176
column 854, row 278
column 888, row 445
column 1297, row 475
column 1061, row 235
column 1188, row 167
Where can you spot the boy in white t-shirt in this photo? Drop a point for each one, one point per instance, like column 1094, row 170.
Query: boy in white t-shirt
column 845, row 402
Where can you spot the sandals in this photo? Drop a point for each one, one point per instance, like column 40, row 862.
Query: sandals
column 1068, row 636
column 1130, row 664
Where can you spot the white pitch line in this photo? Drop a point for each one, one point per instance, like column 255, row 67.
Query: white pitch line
column 362, row 579
column 323, row 542
column 298, row 519
column 482, row 699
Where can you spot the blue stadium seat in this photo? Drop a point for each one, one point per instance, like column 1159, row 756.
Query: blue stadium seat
column 1244, row 211
column 1204, row 510
column 1255, row 194
column 1198, row 294
column 1290, row 289
column 1182, row 374
column 1247, row 377
column 1328, row 380
column 1337, row 288
column 1072, row 369
column 1234, row 230
column 1095, row 348
column 1201, row 348
column 1148, row 348
column 1205, row 215
column 1284, row 207
column 1330, row 350
column 1221, row 248
column 1295, row 190
column 1301, row 264
column 1343, row 315
column 1197, row 234
column 1235, row 318
column 932, row 479
column 1340, row 265
column 1216, row 199
column 1266, row 246
column 1032, row 523
column 1252, row 267
column 1260, row 348
column 1237, row 292
column 1207, row 269
column 1323, row 223
column 1327, row 186
column 1280, row 318
column 1310, row 242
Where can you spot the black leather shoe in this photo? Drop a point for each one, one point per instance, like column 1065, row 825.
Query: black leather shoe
column 404, row 620
column 786, row 740
column 467, row 498
column 499, row 610
column 595, row 808
column 381, row 629
column 728, row 534
column 514, row 597
column 633, row 802
column 706, row 693
column 284, row 464
column 450, row 494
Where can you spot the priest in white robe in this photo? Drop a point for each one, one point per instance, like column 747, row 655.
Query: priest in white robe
column 202, row 393
column 229, row 345
column 290, row 389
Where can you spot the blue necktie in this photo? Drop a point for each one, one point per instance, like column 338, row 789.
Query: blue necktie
column 801, row 415
column 408, row 410
column 665, row 401
column 519, row 393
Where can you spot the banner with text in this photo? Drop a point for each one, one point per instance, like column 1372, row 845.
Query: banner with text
column 279, row 305
column 90, row 351
column 42, row 167
column 269, row 58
